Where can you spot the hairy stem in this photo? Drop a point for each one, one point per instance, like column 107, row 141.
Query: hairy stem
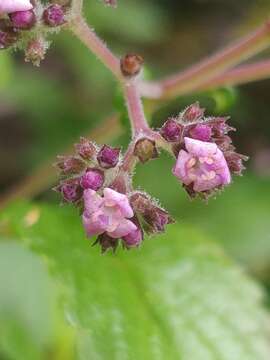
column 199, row 74
column 135, row 108
column 81, row 30
column 240, row 75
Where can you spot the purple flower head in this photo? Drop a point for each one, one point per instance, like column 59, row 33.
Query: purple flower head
column 108, row 157
column 23, row 20
column 92, row 179
column 202, row 165
column 54, row 15
column 109, row 214
column 201, row 132
column 10, row 6
column 171, row 131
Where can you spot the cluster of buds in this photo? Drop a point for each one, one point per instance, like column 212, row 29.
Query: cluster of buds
column 25, row 23
column 206, row 157
column 93, row 180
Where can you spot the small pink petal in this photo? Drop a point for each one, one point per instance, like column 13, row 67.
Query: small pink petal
column 10, row 6
column 124, row 228
column 114, row 198
column 92, row 201
column 180, row 169
column 200, row 148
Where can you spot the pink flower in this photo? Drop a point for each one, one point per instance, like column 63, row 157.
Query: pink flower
column 10, row 6
column 203, row 165
column 108, row 214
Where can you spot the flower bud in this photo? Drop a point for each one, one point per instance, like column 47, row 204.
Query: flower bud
column 108, row 157
column 23, row 20
column 131, row 65
column 155, row 218
column 70, row 190
column 201, row 132
column 171, row 131
column 36, row 50
column 70, row 165
column 92, row 179
column 86, row 149
column 54, row 15
column 7, row 38
column 192, row 113
column 235, row 162
column 145, row 149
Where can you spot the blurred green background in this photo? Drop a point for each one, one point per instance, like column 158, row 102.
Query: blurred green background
column 44, row 110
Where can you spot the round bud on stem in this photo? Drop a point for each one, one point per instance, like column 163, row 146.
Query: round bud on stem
column 23, row 20
column 171, row 131
column 36, row 50
column 145, row 149
column 131, row 65
column 86, row 149
column 92, row 179
column 108, row 157
column 54, row 15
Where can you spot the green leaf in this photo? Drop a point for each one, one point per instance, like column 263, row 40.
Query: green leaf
column 178, row 297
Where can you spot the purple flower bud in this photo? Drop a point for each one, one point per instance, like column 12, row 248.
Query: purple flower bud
column 86, row 149
column 23, row 20
column 70, row 165
column 200, row 132
column 7, row 39
column 235, row 162
column 92, row 179
column 145, row 149
column 70, row 190
column 220, row 127
column 154, row 217
column 54, row 15
column 171, row 131
column 192, row 113
column 108, row 157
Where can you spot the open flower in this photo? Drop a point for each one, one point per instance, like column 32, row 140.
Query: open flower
column 109, row 214
column 202, row 165
column 10, row 6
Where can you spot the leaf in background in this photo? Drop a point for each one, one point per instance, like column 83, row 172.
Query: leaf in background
column 178, row 297
column 27, row 305
column 5, row 69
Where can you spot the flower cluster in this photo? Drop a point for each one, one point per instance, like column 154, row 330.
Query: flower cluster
column 94, row 181
column 97, row 180
column 206, row 157
column 25, row 24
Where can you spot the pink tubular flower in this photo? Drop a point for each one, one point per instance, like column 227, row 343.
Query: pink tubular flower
column 10, row 6
column 203, row 165
column 108, row 214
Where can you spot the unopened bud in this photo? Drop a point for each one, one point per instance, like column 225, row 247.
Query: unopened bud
column 86, row 149
column 201, row 132
column 192, row 113
column 155, row 218
column 145, row 149
column 171, row 131
column 70, row 190
column 36, row 50
column 23, row 20
column 92, row 179
column 108, row 157
column 131, row 65
column 70, row 165
column 54, row 15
